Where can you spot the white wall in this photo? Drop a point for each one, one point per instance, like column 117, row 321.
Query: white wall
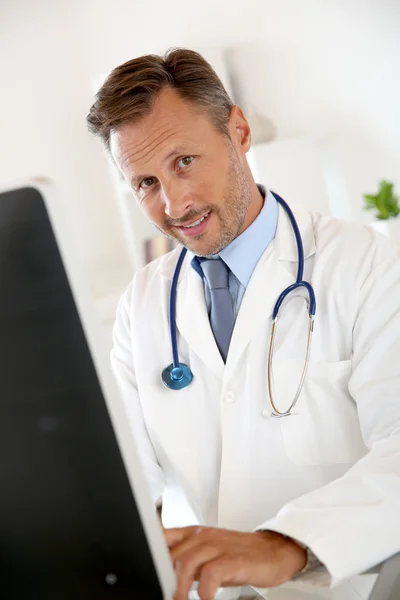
column 329, row 70
column 45, row 95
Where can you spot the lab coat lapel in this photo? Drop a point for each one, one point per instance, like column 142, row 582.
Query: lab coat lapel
column 275, row 271
column 191, row 314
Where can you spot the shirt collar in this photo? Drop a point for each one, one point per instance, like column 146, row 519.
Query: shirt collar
column 244, row 252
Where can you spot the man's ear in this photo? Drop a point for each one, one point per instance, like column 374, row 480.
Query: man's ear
column 239, row 129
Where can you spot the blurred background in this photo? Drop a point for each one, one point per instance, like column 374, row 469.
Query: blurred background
column 319, row 81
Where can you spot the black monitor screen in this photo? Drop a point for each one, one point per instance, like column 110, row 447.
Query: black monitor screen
column 69, row 527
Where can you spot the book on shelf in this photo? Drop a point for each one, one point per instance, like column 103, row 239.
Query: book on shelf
column 155, row 247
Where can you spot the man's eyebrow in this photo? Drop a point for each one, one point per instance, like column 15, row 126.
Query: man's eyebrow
column 177, row 151
column 173, row 152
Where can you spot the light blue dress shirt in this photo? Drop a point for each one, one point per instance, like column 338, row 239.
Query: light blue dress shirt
column 244, row 252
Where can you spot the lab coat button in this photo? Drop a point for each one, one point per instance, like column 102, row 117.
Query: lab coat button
column 266, row 413
column 230, row 397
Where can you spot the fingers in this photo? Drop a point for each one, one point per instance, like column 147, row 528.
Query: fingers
column 192, row 549
column 178, row 535
column 221, row 572
column 189, row 566
column 218, row 573
column 218, row 557
column 193, row 541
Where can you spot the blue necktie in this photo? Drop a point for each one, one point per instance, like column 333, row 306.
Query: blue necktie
column 222, row 317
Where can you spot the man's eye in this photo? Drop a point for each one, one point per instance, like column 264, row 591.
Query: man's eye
column 185, row 161
column 147, row 182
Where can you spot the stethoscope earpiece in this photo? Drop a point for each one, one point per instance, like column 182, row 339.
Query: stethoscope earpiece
column 177, row 378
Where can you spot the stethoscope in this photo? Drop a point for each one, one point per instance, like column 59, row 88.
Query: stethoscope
column 177, row 375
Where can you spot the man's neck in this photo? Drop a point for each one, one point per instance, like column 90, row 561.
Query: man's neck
column 256, row 204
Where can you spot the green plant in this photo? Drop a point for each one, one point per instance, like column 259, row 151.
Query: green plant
column 384, row 202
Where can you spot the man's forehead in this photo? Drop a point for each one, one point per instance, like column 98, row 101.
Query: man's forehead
column 139, row 142
column 129, row 144
column 167, row 108
column 168, row 111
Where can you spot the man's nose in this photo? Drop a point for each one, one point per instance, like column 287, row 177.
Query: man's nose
column 177, row 199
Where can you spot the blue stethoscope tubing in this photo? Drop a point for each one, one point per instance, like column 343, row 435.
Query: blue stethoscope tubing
column 177, row 375
column 300, row 267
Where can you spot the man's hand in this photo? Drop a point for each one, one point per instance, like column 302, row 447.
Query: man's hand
column 219, row 557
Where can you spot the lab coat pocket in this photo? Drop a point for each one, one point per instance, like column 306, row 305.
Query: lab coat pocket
column 324, row 428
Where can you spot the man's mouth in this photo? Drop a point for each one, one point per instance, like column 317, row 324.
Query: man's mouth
column 196, row 222
column 196, row 227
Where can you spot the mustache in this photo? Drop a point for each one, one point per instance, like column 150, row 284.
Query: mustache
column 190, row 216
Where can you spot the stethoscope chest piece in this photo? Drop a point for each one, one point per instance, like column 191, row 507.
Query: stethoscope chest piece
column 177, row 378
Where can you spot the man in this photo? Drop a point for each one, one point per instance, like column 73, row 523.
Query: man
column 273, row 496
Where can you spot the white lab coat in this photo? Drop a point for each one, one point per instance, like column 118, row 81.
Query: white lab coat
column 329, row 476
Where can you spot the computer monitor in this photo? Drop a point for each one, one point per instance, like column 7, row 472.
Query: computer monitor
column 70, row 525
